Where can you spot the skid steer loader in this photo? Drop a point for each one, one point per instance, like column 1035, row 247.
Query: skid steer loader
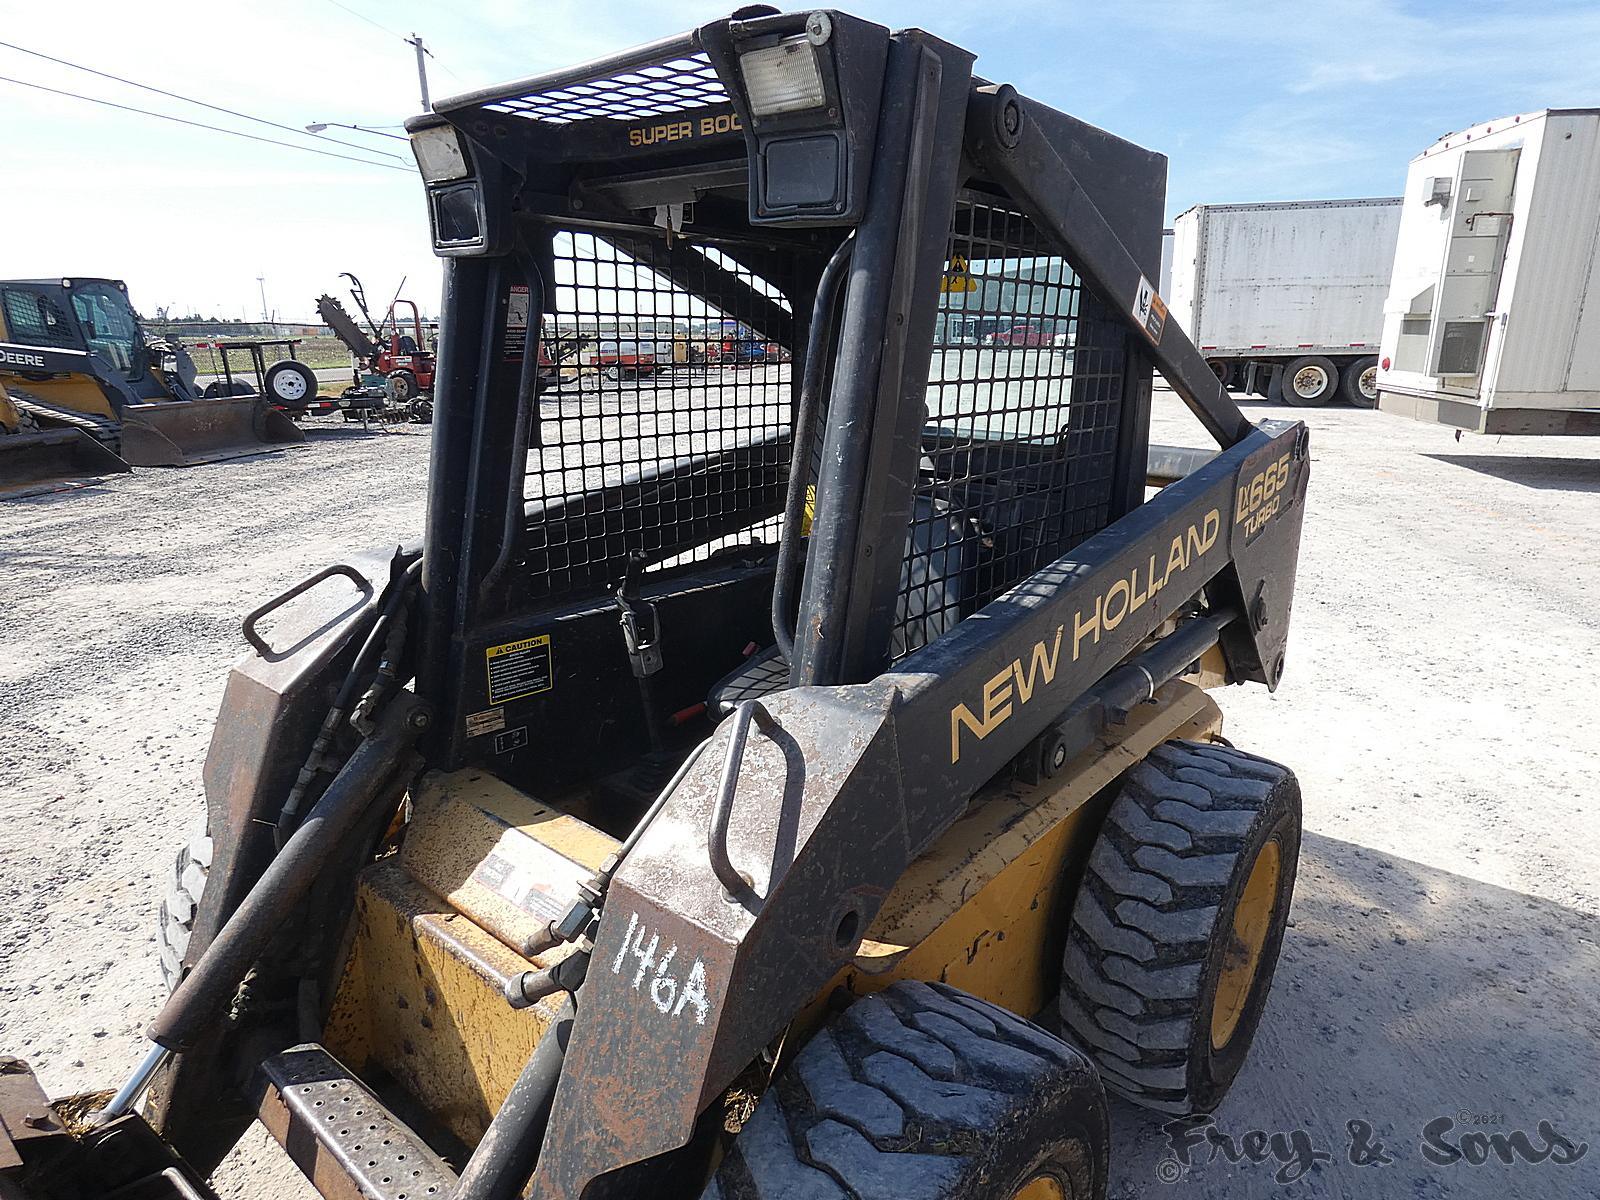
column 34, row 459
column 790, row 781
column 74, row 356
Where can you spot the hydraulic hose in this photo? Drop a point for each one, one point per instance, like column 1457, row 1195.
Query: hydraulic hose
column 506, row 1156
column 812, row 378
column 202, row 999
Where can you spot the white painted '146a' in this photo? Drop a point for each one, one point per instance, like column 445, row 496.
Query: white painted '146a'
column 665, row 992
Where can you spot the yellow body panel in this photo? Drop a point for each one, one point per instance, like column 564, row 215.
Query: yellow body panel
column 484, row 865
column 77, row 392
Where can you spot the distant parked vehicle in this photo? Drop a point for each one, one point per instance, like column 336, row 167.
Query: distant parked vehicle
column 1285, row 299
column 619, row 359
column 1019, row 335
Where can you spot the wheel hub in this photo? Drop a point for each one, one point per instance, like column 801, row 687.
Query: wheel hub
column 1252, row 917
column 1309, row 381
column 1041, row 1187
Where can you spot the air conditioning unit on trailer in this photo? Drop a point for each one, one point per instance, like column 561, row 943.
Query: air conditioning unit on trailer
column 1493, row 318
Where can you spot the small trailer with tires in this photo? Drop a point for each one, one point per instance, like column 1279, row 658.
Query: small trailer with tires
column 1285, row 299
column 1493, row 318
column 286, row 383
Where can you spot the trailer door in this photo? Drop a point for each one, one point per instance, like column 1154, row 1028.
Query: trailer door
column 1480, row 227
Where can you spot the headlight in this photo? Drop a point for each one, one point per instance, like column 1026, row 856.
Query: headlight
column 440, row 155
column 783, row 78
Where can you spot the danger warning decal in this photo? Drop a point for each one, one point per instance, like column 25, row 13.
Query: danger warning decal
column 518, row 669
column 1150, row 310
column 958, row 278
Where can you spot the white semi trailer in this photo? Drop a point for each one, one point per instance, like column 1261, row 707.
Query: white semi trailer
column 1493, row 317
column 1286, row 299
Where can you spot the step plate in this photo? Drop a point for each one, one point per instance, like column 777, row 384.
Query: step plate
column 340, row 1136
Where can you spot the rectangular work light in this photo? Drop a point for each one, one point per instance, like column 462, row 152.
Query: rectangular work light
column 440, row 155
column 783, row 78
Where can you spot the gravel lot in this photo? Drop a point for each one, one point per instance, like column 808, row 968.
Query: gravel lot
column 1438, row 708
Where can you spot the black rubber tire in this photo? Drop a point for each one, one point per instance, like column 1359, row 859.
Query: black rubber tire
column 1152, row 921
column 923, row 1092
column 176, row 923
column 1350, row 382
column 615, row 373
column 221, row 387
column 1328, row 390
column 290, row 384
column 1222, row 369
column 421, row 410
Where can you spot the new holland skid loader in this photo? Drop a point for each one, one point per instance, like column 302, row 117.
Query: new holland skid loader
column 757, row 783
column 74, row 356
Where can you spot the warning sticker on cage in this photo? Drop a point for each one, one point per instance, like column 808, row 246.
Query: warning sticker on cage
column 518, row 669
column 1150, row 310
column 530, row 875
column 490, row 720
column 958, row 278
column 517, row 310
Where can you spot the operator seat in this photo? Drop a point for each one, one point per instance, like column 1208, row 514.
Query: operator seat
column 936, row 591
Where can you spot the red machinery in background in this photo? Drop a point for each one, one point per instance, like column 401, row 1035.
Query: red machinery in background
column 394, row 366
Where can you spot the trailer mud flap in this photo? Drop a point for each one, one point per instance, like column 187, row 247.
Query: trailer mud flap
column 184, row 433
column 33, row 463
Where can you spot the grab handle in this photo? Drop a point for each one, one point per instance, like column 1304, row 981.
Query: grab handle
column 735, row 884
column 258, row 643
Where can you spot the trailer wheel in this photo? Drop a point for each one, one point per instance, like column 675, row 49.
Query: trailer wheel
column 614, row 373
column 1310, row 381
column 1177, row 925
column 1358, row 382
column 400, row 387
column 176, row 922
column 223, row 387
column 290, row 382
column 924, row 1091
column 1222, row 369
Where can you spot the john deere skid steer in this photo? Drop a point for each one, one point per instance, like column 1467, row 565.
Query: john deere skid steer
column 782, row 777
column 34, row 459
column 74, row 356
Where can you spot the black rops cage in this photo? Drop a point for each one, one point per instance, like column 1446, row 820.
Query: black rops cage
column 765, row 355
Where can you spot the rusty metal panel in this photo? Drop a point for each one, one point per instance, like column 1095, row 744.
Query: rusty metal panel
column 25, row 1112
column 687, row 985
column 422, row 999
column 981, row 910
column 496, row 854
column 185, row 433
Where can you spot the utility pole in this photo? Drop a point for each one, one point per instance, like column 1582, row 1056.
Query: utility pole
column 415, row 41
column 261, row 282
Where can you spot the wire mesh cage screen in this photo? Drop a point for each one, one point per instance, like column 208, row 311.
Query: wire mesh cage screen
column 1025, row 392
column 664, row 417
column 646, row 90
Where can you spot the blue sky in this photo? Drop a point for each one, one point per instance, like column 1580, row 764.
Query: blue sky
column 1250, row 101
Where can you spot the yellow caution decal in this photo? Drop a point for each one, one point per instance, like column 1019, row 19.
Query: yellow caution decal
column 519, row 669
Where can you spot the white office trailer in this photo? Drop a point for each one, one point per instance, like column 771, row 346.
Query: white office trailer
column 1286, row 299
column 1492, row 322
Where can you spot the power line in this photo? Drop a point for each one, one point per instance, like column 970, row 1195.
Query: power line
column 385, row 29
column 191, row 100
column 367, row 19
column 144, row 112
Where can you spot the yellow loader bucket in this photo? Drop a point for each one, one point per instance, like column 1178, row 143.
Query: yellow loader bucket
column 31, row 463
column 184, row 433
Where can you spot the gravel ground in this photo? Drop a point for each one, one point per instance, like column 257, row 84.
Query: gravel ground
column 1438, row 709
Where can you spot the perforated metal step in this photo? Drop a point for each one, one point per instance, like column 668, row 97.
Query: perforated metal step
column 341, row 1136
